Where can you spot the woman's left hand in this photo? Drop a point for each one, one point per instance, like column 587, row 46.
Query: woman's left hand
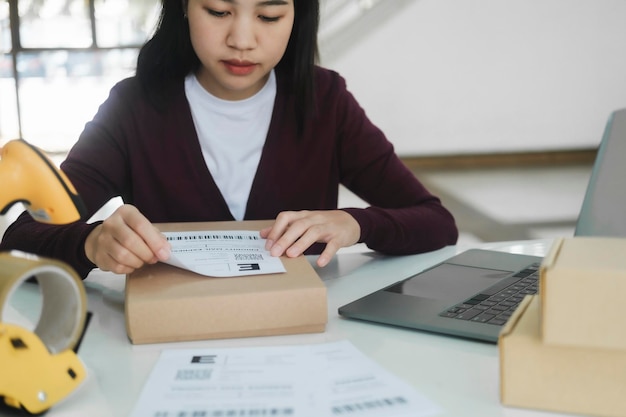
column 293, row 232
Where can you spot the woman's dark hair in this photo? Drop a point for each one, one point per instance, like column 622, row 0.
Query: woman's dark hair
column 169, row 56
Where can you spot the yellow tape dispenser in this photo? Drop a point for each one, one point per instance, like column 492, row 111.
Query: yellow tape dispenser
column 40, row 368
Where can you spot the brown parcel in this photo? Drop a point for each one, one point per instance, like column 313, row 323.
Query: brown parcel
column 168, row 304
column 557, row 378
column 582, row 287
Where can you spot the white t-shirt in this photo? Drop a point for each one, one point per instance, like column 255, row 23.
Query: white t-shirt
column 232, row 135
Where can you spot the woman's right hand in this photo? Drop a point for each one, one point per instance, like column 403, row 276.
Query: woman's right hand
column 125, row 242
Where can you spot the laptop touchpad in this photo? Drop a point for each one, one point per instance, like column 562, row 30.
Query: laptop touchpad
column 449, row 282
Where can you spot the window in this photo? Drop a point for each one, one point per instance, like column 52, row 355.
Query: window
column 60, row 58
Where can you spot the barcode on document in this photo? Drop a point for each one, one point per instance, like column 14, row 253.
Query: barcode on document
column 251, row 412
column 360, row 408
column 213, row 236
column 248, row 256
column 193, row 374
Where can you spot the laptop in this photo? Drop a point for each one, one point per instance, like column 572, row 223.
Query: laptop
column 472, row 294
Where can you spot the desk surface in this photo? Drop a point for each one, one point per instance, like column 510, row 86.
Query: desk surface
column 461, row 376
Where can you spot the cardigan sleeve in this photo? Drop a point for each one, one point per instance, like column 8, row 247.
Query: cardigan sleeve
column 403, row 217
column 62, row 242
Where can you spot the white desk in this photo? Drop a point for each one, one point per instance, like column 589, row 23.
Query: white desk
column 460, row 376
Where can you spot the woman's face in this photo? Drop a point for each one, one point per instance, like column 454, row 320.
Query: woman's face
column 238, row 42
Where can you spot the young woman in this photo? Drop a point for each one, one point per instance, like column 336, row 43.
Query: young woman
column 229, row 118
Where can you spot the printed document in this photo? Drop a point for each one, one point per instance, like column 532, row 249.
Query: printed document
column 222, row 253
column 319, row 380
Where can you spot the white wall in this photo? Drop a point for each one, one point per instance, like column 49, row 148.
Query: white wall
column 474, row 76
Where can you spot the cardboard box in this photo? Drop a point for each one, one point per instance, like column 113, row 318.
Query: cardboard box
column 168, row 304
column 557, row 378
column 582, row 288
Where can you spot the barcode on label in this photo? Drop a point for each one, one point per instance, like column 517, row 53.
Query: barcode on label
column 252, row 412
column 248, row 256
column 366, row 406
column 213, row 236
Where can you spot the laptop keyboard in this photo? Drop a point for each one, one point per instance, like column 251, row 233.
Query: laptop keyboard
column 496, row 304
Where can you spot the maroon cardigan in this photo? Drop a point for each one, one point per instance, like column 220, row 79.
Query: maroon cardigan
column 152, row 159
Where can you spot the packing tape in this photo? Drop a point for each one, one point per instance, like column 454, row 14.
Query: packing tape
column 64, row 303
column 41, row 368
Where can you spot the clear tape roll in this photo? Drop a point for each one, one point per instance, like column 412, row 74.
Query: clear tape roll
column 64, row 305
